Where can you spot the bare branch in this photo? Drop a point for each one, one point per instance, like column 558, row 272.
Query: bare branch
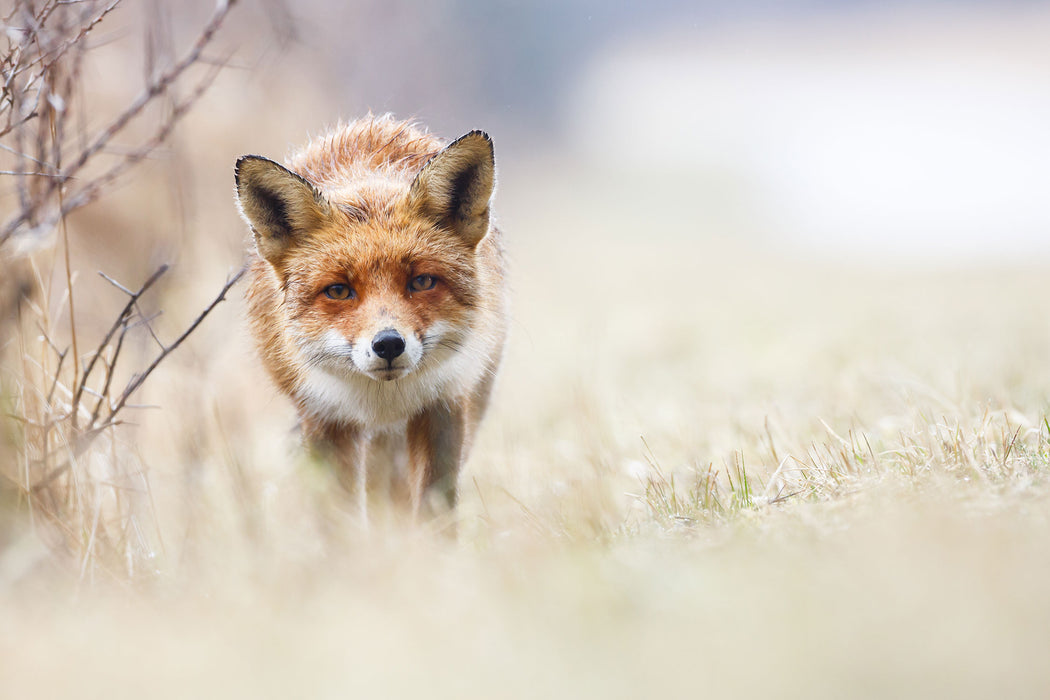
column 57, row 374
column 110, row 366
column 121, row 320
column 115, row 283
column 46, row 60
column 29, row 174
column 89, row 434
column 138, row 379
column 55, row 164
column 94, row 189
column 156, row 88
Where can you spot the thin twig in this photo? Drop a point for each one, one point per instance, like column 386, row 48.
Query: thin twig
column 50, row 58
column 157, row 87
column 102, row 395
column 91, row 191
column 138, row 379
column 29, row 174
column 121, row 319
column 58, row 373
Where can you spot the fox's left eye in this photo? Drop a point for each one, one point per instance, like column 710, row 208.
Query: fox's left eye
column 422, row 283
column 338, row 291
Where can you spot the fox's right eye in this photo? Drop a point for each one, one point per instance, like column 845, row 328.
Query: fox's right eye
column 338, row 291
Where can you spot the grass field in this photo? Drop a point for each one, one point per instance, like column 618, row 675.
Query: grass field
column 708, row 470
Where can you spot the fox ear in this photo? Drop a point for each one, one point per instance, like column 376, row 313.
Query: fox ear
column 455, row 186
column 281, row 207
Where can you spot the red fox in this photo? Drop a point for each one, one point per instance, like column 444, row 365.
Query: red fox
column 377, row 300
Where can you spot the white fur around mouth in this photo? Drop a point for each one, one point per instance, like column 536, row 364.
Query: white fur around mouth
column 386, row 374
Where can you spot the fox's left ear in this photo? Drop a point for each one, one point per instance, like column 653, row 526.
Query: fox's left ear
column 455, row 186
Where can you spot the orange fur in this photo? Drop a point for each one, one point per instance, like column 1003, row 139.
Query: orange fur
column 398, row 221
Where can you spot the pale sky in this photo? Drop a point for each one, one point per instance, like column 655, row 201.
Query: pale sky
column 902, row 134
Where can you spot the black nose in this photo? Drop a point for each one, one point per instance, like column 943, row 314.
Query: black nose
column 388, row 344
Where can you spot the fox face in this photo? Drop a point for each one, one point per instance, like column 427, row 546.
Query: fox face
column 377, row 279
column 382, row 298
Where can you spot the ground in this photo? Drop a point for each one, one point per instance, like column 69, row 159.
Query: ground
column 711, row 467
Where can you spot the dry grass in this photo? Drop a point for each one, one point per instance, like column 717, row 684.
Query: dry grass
column 709, row 468
column 809, row 512
column 68, row 396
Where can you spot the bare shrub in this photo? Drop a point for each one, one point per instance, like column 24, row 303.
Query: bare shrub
column 62, row 399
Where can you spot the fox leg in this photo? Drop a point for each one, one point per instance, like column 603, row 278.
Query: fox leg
column 435, row 449
column 346, row 450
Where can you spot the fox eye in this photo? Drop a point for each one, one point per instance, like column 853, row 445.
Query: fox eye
column 338, row 291
column 422, row 283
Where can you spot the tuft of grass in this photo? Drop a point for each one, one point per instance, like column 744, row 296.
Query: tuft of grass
column 992, row 451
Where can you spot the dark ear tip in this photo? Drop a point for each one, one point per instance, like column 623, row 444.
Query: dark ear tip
column 243, row 160
column 238, row 165
column 476, row 133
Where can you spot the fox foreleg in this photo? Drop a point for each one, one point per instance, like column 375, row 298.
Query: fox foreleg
column 435, row 450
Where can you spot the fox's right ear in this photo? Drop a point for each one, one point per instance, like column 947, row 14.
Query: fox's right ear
column 280, row 206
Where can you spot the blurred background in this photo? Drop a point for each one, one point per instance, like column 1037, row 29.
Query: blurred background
column 900, row 130
column 882, row 132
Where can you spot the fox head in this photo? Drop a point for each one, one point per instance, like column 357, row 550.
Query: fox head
column 377, row 271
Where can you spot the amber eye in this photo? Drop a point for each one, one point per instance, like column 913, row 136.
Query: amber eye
column 338, row 291
column 422, row 283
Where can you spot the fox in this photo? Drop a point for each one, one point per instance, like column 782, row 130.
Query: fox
column 377, row 300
